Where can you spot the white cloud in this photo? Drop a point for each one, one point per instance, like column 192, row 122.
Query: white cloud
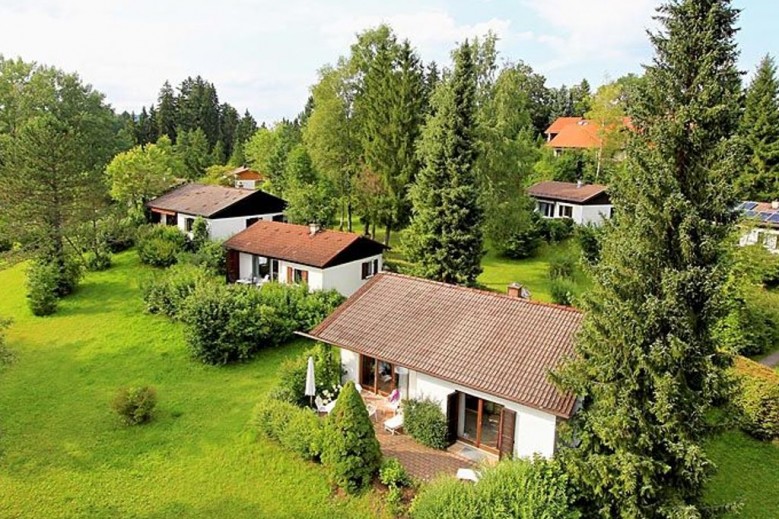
column 595, row 30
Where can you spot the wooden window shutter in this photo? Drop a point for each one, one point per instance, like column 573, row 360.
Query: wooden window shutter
column 233, row 266
column 508, row 422
column 290, row 275
column 365, row 267
column 375, row 267
column 304, row 276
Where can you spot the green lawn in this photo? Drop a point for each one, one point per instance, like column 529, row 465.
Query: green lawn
column 63, row 453
column 747, row 472
column 499, row 271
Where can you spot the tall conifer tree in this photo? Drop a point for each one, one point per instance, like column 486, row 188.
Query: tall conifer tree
column 648, row 369
column 445, row 236
column 760, row 129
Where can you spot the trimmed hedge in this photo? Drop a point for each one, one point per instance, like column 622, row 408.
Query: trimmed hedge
column 295, row 428
column 521, row 489
column 166, row 291
column 757, row 399
column 228, row 323
column 425, row 422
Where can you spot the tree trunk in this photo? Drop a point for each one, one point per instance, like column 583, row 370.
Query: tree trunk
column 373, row 232
column 387, row 234
column 349, row 213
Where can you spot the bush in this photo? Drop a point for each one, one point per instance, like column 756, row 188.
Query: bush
column 562, row 291
column 96, row 261
column 751, row 327
column 200, row 235
column 446, row 498
column 562, row 267
column 135, row 405
column 292, row 374
column 589, row 237
column 350, row 450
column 521, row 489
column 757, row 399
column 211, row 256
column 393, row 474
column 296, row 429
column 6, row 357
column 159, row 245
column 425, row 422
column 166, row 291
column 42, row 288
column 303, row 434
column 554, row 230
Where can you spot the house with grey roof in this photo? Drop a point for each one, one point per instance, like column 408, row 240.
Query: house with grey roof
column 484, row 357
column 227, row 210
column 582, row 203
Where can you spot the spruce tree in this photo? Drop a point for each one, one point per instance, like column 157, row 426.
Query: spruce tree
column 445, row 235
column 759, row 179
column 166, row 112
column 648, row 370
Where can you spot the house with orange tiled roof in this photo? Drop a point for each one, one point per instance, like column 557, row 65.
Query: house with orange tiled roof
column 246, row 178
column 302, row 254
column 484, row 357
column 575, row 133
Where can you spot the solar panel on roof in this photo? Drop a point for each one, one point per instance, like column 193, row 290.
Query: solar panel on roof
column 764, row 216
column 750, row 205
column 750, row 214
column 774, row 218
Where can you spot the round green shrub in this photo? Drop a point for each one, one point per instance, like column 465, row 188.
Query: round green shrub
column 562, row 291
column 425, row 422
column 562, row 267
column 42, row 288
column 159, row 245
column 588, row 237
column 166, row 291
column 393, row 474
column 350, row 450
column 446, row 498
column 302, row 434
column 97, row 261
column 135, row 405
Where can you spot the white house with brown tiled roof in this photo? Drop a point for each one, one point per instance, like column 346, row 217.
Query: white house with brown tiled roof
column 582, row 203
column 288, row 253
column 484, row 357
column 227, row 210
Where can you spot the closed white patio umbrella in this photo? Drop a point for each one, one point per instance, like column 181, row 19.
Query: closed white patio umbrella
column 310, row 382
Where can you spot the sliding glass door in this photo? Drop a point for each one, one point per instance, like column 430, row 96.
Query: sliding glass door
column 481, row 422
column 377, row 375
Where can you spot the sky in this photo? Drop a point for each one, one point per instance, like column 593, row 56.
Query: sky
column 263, row 55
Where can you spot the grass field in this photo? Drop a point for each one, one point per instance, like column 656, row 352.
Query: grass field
column 63, row 452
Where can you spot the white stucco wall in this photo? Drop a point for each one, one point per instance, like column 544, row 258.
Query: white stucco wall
column 347, row 278
column 535, row 431
column 769, row 238
column 350, row 362
column 315, row 275
column 223, row 228
column 246, row 184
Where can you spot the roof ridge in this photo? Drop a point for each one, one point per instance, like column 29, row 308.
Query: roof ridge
column 482, row 291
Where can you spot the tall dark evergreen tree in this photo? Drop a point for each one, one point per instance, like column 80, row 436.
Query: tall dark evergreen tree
column 246, row 127
column 166, row 112
column 648, row 369
column 759, row 127
column 445, row 235
column 228, row 125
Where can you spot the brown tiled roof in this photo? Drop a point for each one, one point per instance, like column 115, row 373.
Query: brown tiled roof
column 566, row 191
column 245, row 173
column 501, row 345
column 295, row 243
column 199, row 199
column 562, row 122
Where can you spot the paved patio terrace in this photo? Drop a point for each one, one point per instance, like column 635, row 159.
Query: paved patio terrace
column 421, row 462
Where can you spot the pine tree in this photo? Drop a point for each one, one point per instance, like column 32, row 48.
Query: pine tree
column 648, row 369
column 166, row 112
column 759, row 179
column 445, row 236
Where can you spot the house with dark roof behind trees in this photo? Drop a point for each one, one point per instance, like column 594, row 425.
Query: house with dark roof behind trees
column 227, row 210
column 582, row 203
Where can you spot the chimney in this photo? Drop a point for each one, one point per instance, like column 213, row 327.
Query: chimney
column 518, row 291
column 579, row 183
column 313, row 228
column 775, row 204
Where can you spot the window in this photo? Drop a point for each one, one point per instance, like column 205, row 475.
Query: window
column 188, row 222
column 546, row 209
column 565, row 211
column 370, row 269
column 251, row 221
column 297, row 276
column 770, row 241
